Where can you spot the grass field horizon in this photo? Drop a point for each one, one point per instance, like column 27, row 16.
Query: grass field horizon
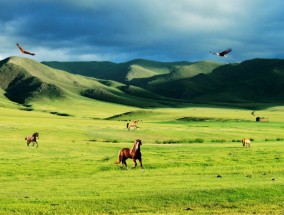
column 193, row 158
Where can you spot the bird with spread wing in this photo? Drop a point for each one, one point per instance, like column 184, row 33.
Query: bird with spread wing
column 23, row 50
column 223, row 53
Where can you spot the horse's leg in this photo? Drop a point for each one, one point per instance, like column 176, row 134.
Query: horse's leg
column 36, row 144
column 28, row 143
column 140, row 161
column 123, row 162
column 135, row 163
column 33, row 141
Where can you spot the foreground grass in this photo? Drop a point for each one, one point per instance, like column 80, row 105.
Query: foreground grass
column 73, row 170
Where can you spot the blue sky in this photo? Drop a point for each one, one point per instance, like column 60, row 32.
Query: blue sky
column 162, row 30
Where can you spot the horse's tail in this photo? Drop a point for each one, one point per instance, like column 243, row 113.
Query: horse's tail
column 127, row 125
column 119, row 158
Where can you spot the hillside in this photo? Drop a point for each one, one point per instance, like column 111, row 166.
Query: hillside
column 23, row 80
column 144, row 83
column 120, row 72
column 21, row 85
column 178, row 72
column 256, row 80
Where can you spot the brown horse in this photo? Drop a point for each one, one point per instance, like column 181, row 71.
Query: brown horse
column 133, row 153
column 246, row 142
column 133, row 125
column 32, row 139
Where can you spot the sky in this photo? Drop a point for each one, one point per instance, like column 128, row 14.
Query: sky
column 160, row 30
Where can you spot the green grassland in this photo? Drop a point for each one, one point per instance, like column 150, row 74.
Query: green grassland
column 193, row 158
column 194, row 162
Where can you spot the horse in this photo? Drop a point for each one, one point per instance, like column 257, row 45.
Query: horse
column 261, row 119
column 134, row 154
column 32, row 139
column 133, row 124
column 246, row 142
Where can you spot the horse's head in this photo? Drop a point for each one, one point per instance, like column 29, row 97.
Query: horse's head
column 36, row 134
column 137, row 143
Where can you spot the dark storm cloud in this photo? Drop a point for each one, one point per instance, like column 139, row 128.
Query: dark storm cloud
column 158, row 30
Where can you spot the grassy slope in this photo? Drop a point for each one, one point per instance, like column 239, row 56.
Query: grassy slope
column 73, row 103
column 257, row 80
column 4, row 102
column 120, row 72
column 73, row 171
column 71, row 83
column 101, row 70
column 74, row 86
column 186, row 71
column 139, row 72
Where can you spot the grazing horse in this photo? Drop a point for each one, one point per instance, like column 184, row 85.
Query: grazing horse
column 133, row 153
column 32, row 139
column 261, row 119
column 246, row 142
column 133, row 124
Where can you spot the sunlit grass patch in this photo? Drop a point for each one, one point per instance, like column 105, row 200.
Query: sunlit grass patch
column 73, row 171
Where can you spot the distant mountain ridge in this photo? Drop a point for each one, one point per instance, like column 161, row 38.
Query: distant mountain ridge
column 120, row 72
column 23, row 80
column 145, row 83
column 256, row 80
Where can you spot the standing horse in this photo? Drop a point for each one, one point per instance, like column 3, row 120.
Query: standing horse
column 246, row 142
column 133, row 153
column 132, row 124
column 261, row 119
column 32, row 139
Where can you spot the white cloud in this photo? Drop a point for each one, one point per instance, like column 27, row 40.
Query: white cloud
column 125, row 29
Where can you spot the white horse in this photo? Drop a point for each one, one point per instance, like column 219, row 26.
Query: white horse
column 246, row 142
column 133, row 125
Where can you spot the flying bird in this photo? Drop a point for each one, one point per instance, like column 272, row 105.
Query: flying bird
column 23, row 50
column 223, row 53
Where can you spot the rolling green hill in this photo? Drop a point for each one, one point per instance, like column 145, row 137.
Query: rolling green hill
column 256, row 80
column 21, row 84
column 121, row 72
column 177, row 72
column 144, row 83
column 23, row 80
